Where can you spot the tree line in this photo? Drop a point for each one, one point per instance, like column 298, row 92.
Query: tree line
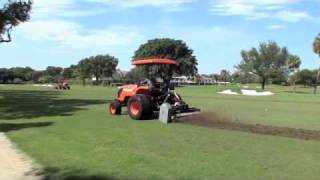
column 104, row 67
column 267, row 63
column 97, row 66
column 85, row 71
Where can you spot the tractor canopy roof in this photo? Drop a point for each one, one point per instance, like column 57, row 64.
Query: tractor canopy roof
column 154, row 61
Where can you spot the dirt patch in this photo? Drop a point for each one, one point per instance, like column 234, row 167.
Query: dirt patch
column 215, row 120
column 14, row 165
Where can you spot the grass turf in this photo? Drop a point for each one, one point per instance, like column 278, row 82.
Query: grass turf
column 72, row 135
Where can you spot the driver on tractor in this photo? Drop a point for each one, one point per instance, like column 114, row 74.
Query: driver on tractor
column 145, row 98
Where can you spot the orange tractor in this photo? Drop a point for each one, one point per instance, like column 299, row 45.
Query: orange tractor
column 149, row 97
column 62, row 85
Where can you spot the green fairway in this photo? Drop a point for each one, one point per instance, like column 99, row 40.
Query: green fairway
column 72, row 135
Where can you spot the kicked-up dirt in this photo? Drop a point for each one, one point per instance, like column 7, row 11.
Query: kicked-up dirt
column 215, row 120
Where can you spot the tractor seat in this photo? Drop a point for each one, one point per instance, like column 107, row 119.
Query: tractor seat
column 157, row 85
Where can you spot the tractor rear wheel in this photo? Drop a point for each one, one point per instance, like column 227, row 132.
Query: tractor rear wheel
column 115, row 107
column 139, row 107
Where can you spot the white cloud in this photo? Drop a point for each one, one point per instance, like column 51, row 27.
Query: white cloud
column 48, row 9
column 212, row 35
column 48, row 4
column 229, row 8
column 257, row 9
column 139, row 3
column 43, row 8
column 49, row 30
column 73, row 36
column 66, row 8
column 202, row 36
column 292, row 16
column 49, row 23
column 276, row 27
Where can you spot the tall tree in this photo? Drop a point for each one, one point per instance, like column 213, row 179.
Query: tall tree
column 54, row 71
column 307, row 77
column 11, row 15
column 67, row 73
column 225, row 76
column 244, row 77
column 84, row 67
column 23, row 73
column 70, row 72
column 98, row 66
column 294, row 63
column 316, row 49
column 104, row 66
column 171, row 49
column 216, row 77
column 268, row 61
column 7, row 75
column 36, row 75
column 52, row 74
column 136, row 74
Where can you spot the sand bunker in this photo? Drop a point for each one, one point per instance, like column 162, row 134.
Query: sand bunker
column 255, row 93
column 214, row 120
column 247, row 92
column 43, row 85
column 229, row 92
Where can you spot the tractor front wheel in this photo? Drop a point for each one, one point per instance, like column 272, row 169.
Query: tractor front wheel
column 115, row 107
column 139, row 107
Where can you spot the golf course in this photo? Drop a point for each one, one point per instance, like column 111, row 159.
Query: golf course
column 72, row 135
column 159, row 90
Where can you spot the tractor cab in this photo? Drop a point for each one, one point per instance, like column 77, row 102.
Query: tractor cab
column 152, row 95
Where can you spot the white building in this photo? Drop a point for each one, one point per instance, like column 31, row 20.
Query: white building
column 207, row 80
column 183, row 80
column 193, row 80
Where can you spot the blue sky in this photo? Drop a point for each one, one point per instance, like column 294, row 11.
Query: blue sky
column 62, row 32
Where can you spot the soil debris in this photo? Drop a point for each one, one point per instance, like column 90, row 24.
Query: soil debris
column 215, row 120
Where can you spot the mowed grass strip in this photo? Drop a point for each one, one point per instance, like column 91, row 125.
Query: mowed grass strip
column 72, row 135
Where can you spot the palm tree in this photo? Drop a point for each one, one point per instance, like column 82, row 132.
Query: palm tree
column 294, row 63
column 316, row 49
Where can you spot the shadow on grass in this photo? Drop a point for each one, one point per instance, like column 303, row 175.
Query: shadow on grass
column 6, row 127
column 57, row 174
column 17, row 104
column 87, row 178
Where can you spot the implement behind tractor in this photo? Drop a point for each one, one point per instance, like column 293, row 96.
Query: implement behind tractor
column 149, row 97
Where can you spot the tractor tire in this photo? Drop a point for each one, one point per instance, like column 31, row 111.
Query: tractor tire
column 115, row 107
column 139, row 107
